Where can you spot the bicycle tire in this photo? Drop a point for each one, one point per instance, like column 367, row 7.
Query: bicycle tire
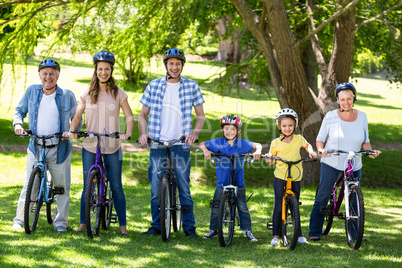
column 291, row 228
column 108, row 208
column 226, row 220
column 165, row 208
column 354, row 224
column 33, row 202
column 328, row 216
column 176, row 213
column 51, row 206
column 92, row 208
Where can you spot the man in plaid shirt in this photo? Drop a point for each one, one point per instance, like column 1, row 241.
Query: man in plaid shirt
column 168, row 101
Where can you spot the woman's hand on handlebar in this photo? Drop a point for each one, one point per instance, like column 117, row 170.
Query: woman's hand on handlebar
column 323, row 152
column 378, row 152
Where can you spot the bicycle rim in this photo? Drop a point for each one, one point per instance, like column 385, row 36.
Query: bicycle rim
column 291, row 228
column 354, row 223
column 108, row 207
column 226, row 221
column 165, row 207
column 92, row 207
column 33, row 202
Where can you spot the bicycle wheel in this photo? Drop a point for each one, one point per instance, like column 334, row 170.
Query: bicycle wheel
column 291, row 228
column 165, row 207
column 92, row 206
column 51, row 206
column 33, row 202
column 354, row 223
column 328, row 212
column 176, row 213
column 107, row 209
column 226, row 220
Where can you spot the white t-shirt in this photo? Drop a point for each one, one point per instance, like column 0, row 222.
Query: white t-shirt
column 171, row 114
column 48, row 116
column 345, row 136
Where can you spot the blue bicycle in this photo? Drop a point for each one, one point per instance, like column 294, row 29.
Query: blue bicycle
column 40, row 187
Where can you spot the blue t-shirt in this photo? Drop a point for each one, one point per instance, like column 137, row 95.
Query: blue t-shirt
column 223, row 167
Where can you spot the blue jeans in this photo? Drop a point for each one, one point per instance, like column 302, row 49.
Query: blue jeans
column 158, row 162
column 244, row 213
column 113, row 164
column 328, row 177
column 279, row 191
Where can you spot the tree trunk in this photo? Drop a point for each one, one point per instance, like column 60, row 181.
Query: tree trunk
column 229, row 46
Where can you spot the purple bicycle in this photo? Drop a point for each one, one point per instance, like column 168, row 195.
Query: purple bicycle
column 98, row 195
column 354, row 203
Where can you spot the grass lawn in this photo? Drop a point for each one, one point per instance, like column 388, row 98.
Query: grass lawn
column 45, row 247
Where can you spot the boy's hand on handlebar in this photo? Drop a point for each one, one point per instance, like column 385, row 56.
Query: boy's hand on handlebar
column 207, row 155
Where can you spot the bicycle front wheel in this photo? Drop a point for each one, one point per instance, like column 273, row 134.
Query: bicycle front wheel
column 291, row 227
column 165, row 207
column 33, row 202
column 176, row 213
column 51, row 206
column 226, row 220
column 354, row 223
column 92, row 206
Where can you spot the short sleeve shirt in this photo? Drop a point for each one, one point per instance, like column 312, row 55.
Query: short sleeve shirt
column 291, row 152
column 223, row 167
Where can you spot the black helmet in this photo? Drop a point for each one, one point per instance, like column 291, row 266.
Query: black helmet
column 104, row 56
column 174, row 53
column 49, row 63
column 345, row 86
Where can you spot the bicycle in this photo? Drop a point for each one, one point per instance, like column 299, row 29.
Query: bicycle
column 354, row 203
column 169, row 202
column 40, row 187
column 291, row 225
column 227, row 206
column 98, row 195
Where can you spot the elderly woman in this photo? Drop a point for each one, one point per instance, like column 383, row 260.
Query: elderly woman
column 342, row 129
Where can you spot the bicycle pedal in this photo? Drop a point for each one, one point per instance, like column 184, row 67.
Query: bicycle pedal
column 113, row 218
column 341, row 216
column 58, row 190
column 300, row 203
column 270, row 225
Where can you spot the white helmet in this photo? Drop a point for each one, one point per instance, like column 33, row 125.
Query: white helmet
column 287, row 112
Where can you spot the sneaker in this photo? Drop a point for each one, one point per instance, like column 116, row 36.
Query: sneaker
column 16, row 226
column 250, row 236
column 152, row 231
column 191, row 234
column 211, row 234
column 302, row 240
column 60, row 229
column 275, row 241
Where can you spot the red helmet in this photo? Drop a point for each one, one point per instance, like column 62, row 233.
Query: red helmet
column 231, row 119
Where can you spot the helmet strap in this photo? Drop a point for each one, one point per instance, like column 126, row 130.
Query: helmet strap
column 50, row 88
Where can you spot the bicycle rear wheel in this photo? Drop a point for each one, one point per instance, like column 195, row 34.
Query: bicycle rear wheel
column 165, row 207
column 92, row 206
column 33, row 202
column 328, row 212
column 107, row 209
column 51, row 206
column 291, row 228
column 354, row 223
column 176, row 213
column 226, row 220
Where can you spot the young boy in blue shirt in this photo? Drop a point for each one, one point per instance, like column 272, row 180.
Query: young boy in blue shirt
column 230, row 144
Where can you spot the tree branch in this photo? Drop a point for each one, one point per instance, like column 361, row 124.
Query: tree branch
column 34, row 2
column 326, row 22
column 379, row 15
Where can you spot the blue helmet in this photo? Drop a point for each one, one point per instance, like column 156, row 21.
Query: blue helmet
column 345, row 86
column 174, row 53
column 49, row 63
column 104, row 56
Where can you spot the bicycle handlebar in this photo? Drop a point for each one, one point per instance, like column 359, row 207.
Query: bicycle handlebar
column 289, row 162
column 339, row 152
column 151, row 141
column 28, row 132
column 248, row 157
column 84, row 134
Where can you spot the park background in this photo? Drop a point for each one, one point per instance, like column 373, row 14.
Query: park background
column 227, row 88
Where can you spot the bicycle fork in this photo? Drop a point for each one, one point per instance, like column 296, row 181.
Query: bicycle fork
column 288, row 193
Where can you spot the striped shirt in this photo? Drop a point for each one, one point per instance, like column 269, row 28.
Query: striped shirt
column 189, row 95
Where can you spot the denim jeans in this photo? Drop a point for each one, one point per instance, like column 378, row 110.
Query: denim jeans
column 244, row 213
column 279, row 191
column 328, row 177
column 158, row 162
column 113, row 163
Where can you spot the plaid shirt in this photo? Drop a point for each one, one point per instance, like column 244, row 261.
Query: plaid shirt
column 189, row 94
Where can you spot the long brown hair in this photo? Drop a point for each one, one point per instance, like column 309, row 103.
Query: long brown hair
column 94, row 86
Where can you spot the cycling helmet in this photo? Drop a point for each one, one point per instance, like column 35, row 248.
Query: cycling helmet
column 287, row 112
column 49, row 63
column 345, row 86
column 174, row 53
column 231, row 119
column 104, row 56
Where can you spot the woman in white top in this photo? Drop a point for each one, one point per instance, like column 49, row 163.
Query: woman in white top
column 102, row 101
column 342, row 129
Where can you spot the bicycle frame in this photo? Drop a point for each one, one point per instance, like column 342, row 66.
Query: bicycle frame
column 99, row 164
